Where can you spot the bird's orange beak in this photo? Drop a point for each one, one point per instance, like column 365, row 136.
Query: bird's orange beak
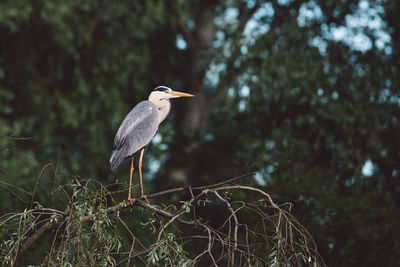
column 176, row 93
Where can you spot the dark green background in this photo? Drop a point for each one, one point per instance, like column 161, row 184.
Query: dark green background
column 71, row 70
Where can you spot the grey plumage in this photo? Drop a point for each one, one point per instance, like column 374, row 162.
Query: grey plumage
column 135, row 132
column 141, row 124
column 138, row 128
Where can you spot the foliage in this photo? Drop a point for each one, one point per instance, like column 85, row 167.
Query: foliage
column 277, row 92
column 93, row 230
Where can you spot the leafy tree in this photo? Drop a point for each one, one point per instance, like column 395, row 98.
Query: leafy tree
column 278, row 92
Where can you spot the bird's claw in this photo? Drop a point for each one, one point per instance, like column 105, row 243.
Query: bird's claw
column 144, row 197
column 131, row 201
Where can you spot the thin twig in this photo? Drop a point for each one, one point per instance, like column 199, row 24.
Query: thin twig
column 235, row 231
column 179, row 189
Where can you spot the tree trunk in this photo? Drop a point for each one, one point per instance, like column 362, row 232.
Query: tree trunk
column 191, row 116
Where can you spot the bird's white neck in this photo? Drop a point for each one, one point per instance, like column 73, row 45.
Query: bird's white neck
column 163, row 105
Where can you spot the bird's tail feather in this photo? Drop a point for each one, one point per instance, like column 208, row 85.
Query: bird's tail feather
column 116, row 160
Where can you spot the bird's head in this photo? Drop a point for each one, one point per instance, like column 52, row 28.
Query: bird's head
column 163, row 92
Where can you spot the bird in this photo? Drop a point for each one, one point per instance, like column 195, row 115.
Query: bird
column 138, row 129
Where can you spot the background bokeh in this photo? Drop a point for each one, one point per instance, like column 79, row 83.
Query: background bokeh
column 304, row 93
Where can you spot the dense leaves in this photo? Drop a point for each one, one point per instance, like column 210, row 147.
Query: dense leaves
column 304, row 93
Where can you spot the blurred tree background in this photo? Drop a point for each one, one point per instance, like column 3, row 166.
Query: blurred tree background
column 304, row 93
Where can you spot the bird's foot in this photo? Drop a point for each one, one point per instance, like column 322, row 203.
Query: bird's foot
column 131, row 201
column 144, row 197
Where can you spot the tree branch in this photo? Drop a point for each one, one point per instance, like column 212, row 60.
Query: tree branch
column 125, row 204
column 235, row 245
column 179, row 189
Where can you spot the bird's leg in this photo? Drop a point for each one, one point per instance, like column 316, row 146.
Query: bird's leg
column 131, row 200
column 142, row 196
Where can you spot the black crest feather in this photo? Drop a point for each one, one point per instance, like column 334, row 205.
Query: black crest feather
column 161, row 88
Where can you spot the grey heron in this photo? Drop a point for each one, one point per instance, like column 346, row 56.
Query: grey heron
column 139, row 127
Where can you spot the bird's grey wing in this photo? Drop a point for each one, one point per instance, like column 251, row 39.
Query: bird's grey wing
column 135, row 132
column 138, row 114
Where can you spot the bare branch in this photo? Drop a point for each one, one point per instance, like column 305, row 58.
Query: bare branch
column 179, row 189
column 236, row 225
